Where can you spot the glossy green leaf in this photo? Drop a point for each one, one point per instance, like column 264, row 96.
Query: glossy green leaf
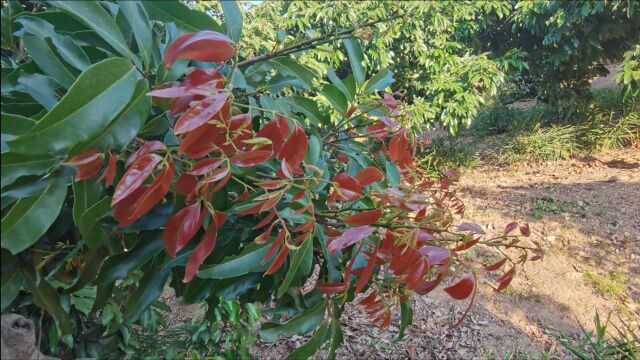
column 91, row 269
column 117, row 135
column 347, row 87
column 118, row 266
column 406, row 318
column 306, row 106
column 393, row 174
column 356, row 59
column 47, row 298
column 299, row 325
column 16, row 165
column 137, row 17
column 15, row 125
column 300, row 266
column 336, row 98
column 68, row 49
column 41, row 88
column 95, row 17
column 85, row 194
column 186, row 19
column 232, row 266
column 93, row 235
column 30, row 217
column 98, row 95
column 337, row 336
column 232, row 19
column 43, row 53
column 11, row 283
column 151, row 286
column 232, row 288
column 290, row 66
column 313, row 151
column 307, row 350
column 379, row 81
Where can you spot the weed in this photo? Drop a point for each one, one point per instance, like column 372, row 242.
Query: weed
column 611, row 285
column 610, row 99
column 602, row 344
column 446, row 153
column 608, row 130
column 549, row 206
column 552, row 143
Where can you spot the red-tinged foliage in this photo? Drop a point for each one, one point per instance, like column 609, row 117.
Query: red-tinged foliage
column 251, row 158
column 369, row 217
column 524, row 230
column 206, row 166
column 331, row 288
column 123, row 209
column 369, row 175
column 210, row 46
column 510, row 227
column 348, row 188
column 153, row 194
column 294, row 148
column 181, row 228
column 185, row 184
column 280, row 239
column 195, row 77
column 146, row 148
column 467, row 244
column 265, row 221
column 200, row 113
column 495, row 266
column 472, row 228
column 135, row 176
column 205, row 247
column 350, row 237
column 463, row 288
column 274, row 132
column 363, row 278
column 110, row 173
column 279, row 260
column 89, row 164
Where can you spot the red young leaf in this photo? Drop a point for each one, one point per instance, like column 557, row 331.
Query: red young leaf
column 135, row 176
column 89, row 170
column 185, row 184
column 153, row 194
column 466, row 245
column 350, row 237
column 206, row 246
column 462, row 289
column 271, row 184
column 369, row 175
column 473, row 228
column 200, row 113
column 85, row 158
column 331, row 288
column 147, row 148
column 504, row 283
column 273, row 132
column 368, row 300
column 350, row 189
column 366, row 273
column 276, row 244
column 194, row 78
column 123, row 210
column 262, row 238
column 279, row 260
column 265, row 221
column 363, row 218
column 251, row 158
column 181, row 227
column 524, row 230
column 110, row 174
column 294, row 148
column 510, row 227
column 435, row 254
column 495, row 266
column 208, row 46
column 206, row 166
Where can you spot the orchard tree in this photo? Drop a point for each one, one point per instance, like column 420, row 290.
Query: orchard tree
column 141, row 150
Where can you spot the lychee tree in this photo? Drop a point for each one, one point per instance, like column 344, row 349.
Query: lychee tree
column 138, row 154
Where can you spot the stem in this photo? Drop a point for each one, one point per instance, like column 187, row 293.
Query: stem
column 315, row 42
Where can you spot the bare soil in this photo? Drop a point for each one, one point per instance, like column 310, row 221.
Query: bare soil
column 585, row 212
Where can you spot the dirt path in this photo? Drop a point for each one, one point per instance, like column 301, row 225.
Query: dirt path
column 586, row 213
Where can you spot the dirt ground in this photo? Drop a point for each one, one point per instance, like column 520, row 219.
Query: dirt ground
column 585, row 212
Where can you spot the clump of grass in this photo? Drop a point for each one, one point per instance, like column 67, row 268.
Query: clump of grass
column 606, row 130
column 610, row 285
column 602, row 343
column 610, row 99
column 446, row 153
column 542, row 143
